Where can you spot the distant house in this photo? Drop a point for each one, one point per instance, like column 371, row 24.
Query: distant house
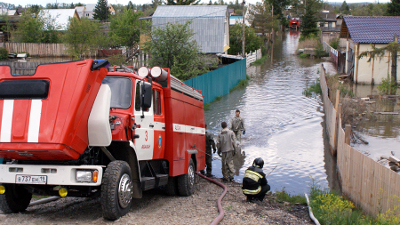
column 358, row 33
column 329, row 23
column 231, row 12
column 88, row 10
column 210, row 23
column 59, row 18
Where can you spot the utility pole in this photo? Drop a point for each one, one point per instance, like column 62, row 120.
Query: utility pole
column 243, row 31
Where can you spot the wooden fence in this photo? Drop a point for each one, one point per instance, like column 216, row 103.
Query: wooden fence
column 253, row 56
column 370, row 185
column 37, row 49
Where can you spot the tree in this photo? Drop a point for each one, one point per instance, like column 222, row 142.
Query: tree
column 309, row 20
column 252, row 41
column 393, row 47
column 130, row 5
column 393, row 8
column 183, row 2
column 125, row 28
column 345, row 8
column 173, row 47
column 262, row 19
column 34, row 8
column 29, row 29
column 82, row 36
column 101, row 11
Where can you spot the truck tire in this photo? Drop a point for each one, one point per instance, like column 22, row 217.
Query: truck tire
column 15, row 199
column 171, row 187
column 186, row 181
column 116, row 190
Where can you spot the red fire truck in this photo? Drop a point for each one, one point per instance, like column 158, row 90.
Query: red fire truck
column 74, row 129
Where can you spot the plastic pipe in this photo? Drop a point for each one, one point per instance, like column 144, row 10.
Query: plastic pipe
column 221, row 211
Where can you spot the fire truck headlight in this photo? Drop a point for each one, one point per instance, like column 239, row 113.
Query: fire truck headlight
column 84, row 176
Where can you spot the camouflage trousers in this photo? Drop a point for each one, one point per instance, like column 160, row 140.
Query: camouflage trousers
column 228, row 169
column 208, row 161
column 238, row 135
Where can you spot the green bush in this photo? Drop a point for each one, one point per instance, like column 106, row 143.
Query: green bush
column 314, row 88
column 334, row 43
column 320, row 51
column 3, row 54
column 387, row 87
column 260, row 61
column 284, row 196
column 303, row 55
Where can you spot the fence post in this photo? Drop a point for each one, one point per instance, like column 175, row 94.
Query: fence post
column 338, row 108
column 347, row 133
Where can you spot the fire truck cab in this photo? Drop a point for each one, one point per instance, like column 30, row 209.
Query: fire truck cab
column 75, row 129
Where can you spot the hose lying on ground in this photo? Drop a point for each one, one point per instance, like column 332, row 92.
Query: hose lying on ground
column 44, row 200
column 221, row 211
column 310, row 211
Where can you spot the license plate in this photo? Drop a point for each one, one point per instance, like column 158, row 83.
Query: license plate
column 31, row 179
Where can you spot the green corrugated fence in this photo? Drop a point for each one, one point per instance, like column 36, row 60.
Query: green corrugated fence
column 218, row 82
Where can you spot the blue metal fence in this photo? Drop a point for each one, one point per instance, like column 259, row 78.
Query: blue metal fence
column 218, row 82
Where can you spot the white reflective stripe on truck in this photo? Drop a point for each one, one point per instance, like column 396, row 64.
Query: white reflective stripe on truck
column 6, row 120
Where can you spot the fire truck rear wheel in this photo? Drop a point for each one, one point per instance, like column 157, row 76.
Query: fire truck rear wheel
column 116, row 190
column 15, row 199
column 186, row 181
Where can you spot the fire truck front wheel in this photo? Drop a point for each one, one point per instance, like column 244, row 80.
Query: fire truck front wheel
column 186, row 181
column 15, row 199
column 116, row 190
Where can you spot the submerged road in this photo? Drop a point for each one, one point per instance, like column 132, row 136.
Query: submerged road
column 283, row 126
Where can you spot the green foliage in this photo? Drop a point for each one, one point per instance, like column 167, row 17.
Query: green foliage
column 116, row 59
column 207, row 107
column 345, row 8
column 101, row 11
column 313, row 88
column 183, row 57
column 286, row 197
column 260, row 61
column 309, row 20
column 334, row 43
column 29, row 29
column 241, row 84
column 83, row 36
column 252, row 41
column 320, row 51
column 388, row 87
column 303, row 55
column 393, row 8
column 369, row 10
column 263, row 22
column 3, row 54
column 183, row 2
column 218, row 98
column 345, row 91
column 125, row 28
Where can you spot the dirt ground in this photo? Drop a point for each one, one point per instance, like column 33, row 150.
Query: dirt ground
column 157, row 208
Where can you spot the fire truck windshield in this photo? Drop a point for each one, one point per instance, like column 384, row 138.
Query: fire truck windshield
column 121, row 91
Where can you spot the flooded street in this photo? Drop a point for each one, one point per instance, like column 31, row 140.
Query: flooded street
column 283, row 126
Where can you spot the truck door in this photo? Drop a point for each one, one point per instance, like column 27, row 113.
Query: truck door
column 144, row 120
column 159, row 123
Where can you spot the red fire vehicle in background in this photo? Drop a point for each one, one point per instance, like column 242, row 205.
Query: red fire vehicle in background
column 295, row 23
column 74, row 129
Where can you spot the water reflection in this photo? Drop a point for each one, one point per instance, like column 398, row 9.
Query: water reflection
column 282, row 126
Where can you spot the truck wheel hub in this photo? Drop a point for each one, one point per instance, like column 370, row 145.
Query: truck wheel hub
column 125, row 191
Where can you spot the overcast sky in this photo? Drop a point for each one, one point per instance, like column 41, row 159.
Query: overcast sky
column 125, row 2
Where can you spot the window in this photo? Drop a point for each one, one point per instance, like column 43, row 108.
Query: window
column 121, row 91
column 87, row 14
column 157, row 102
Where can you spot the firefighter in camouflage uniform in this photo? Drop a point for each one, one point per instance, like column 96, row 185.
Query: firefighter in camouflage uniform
column 237, row 126
column 210, row 144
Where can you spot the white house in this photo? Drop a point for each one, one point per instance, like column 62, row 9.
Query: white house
column 59, row 18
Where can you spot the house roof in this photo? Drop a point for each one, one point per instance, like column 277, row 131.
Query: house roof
column 327, row 16
column 186, row 11
column 60, row 16
column 367, row 29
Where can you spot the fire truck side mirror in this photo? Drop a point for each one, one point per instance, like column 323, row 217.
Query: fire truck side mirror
column 146, row 96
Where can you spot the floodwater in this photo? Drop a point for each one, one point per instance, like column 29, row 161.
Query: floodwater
column 380, row 131
column 283, row 126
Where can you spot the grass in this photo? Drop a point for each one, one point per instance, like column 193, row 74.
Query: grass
column 228, row 208
column 260, row 61
column 207, row 107
column 283, row 196
column 314, row 88
column 241, row 84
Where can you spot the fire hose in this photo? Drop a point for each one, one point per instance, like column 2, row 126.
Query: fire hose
column 220, row 210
